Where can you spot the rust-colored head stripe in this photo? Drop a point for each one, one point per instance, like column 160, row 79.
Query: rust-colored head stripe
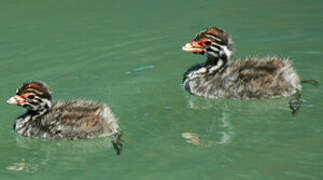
column 215, row 31
column 214, row 34
column 37, row 87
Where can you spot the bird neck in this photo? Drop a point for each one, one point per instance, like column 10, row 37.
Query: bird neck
column 40, row 110
column 35, row 114
column 212, row 66
column 29, row 120
column 215, row 64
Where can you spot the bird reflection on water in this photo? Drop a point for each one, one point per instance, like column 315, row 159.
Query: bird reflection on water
column 51, row 151
column 219, row 131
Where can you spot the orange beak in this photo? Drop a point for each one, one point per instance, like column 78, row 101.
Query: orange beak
column 193, row 47
column 16, row 100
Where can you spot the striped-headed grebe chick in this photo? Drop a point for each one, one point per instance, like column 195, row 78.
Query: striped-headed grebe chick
column 245, row 78
column 64, row 120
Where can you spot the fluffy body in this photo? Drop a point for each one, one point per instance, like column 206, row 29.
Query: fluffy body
column 69, row 120
column 244, row 79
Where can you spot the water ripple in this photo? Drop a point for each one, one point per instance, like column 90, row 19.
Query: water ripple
column 143, row 68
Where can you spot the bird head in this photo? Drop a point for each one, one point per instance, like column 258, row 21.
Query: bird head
column 33, row 95
column 212, row 42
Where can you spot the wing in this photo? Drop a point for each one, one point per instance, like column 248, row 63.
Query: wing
column 78, row 120
column 264, row 71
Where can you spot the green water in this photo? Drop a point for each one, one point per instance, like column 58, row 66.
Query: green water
column 128, row 54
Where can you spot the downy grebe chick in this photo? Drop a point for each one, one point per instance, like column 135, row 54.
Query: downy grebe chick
column 244, row 78
column 65, row 120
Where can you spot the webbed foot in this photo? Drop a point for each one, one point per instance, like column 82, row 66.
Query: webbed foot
column 117, row 143
column 295, row 102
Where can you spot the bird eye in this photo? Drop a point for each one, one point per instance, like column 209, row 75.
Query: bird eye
column 31, row 97
column 207, row 43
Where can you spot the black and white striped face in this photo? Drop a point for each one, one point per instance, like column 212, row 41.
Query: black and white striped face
column 213, row 42
column 34, row 96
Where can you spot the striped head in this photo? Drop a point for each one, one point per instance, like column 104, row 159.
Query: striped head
column 212, row 42
column 33, row 95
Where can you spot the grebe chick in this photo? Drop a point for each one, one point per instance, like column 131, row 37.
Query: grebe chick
column 64, row 120
column 244, row 78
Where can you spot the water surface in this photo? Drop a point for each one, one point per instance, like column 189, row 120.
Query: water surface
column 128, row 54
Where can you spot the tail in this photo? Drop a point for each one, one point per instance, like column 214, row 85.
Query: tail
column 117, row 142
column 313, row 82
